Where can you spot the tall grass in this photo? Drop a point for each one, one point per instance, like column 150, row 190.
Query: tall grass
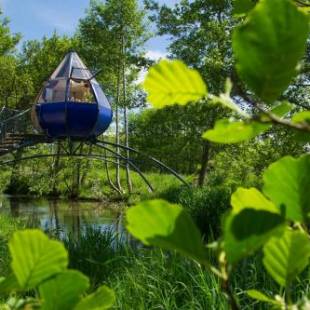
column 97, row 254
column 206, row 205
column 149, row 278
column 8, row 226
column 143, row 278
column 161, row 280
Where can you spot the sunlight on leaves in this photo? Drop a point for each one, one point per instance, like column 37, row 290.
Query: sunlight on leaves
column 103, row 298
column 63, row 291
column 262, row 297
column 226, row 101
column 286, row 256
column 268, row 42
column 35, row 257
column 252, row 221
column 287, row 183
column 246, row 231
column 172, row 82
column 166, row 225
column 282, row 109
column 301, row 117
column 251, row 197
column 228, row 132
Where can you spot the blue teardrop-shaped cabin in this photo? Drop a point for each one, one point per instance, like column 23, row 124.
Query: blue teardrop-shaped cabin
column 72, row 103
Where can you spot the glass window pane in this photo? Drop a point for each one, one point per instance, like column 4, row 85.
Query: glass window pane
column 101, row 97
column 80, row 73
column 80, row 91
column 54, row 91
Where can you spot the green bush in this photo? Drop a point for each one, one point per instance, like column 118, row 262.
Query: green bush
column 206, row 205
column 96, row 253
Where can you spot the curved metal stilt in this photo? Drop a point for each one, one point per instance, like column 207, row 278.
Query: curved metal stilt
column 129, row 161
column 19, row 126
column 92, row 156
column 156, row 161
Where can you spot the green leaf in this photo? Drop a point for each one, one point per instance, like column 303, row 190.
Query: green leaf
column 243, row 6
column 262, row 297
column 233, row 132
column 269, row 45
column 244, row 197
column 172, row 82
column 166, row 225
column 226, row 101
column 287, row 183
column 63, row 291
column 246, row 231
column 287, row 256
column 103, row 298
column 35, row 257
column 252, row 221
column 262, row 223
column 9, row 284
column 301, row 117
column 282, row 109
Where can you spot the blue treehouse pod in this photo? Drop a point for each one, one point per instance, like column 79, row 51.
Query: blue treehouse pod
column 71, row 103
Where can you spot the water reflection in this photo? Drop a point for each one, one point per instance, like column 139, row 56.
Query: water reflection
column 62, row 218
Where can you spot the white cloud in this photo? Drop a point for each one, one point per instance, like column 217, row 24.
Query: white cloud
column 156, row 55
column 141, row 76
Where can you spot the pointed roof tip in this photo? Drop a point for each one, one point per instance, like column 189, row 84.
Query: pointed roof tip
column 71, row 67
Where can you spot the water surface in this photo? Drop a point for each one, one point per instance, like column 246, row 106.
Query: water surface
column 60, row 217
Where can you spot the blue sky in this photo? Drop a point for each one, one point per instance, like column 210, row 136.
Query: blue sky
column 35, row 18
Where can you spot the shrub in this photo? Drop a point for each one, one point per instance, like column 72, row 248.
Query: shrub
column 206, row 205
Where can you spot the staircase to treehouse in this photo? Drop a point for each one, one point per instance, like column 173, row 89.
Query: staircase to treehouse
column 16, row 130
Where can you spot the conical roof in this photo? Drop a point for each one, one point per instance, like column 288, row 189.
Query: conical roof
column 71, row 66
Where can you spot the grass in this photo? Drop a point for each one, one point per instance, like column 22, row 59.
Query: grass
column 143, row 278
column 165, row 280
column 206, row 206
column 8, row 226
column 149, row 278
column 97, row 254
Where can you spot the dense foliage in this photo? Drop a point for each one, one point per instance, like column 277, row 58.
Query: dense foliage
column 275, row 219
column 231, row 114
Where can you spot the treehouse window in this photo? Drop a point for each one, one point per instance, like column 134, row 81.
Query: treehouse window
column 102, row 99
column 80, row 91
column 54, row 91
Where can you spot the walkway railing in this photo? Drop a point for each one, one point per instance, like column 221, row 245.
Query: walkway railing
column 14, row 125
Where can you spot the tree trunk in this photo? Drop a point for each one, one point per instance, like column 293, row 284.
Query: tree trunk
column 129, row 183
column 108, row 175
column 55, row 170
column 117, row 139
column 15, row 169
column 86, row 167
column 204, row 163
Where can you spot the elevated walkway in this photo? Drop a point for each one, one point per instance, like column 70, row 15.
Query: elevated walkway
column 17, row 132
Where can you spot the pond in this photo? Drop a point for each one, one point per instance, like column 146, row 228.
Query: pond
column 62, row 217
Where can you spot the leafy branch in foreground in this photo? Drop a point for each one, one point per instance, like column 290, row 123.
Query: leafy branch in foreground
column 268, row 46
column 267, row 65
column 39, row 264
column 254, row 222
